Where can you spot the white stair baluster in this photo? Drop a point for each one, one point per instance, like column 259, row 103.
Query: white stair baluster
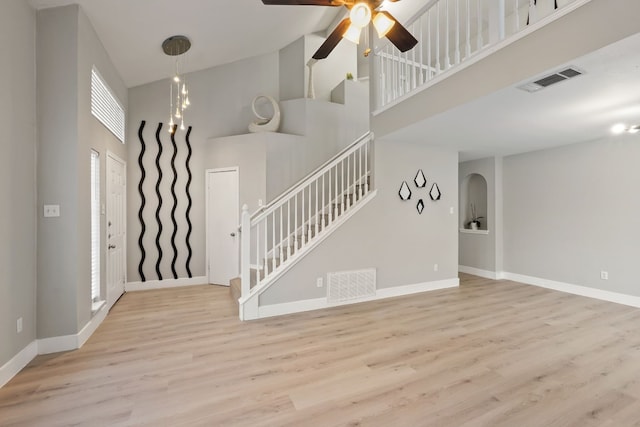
column 438, row 38
column 273, row 241
column 316, row 210
column 281, row 238
column 467, row 46
column 289, row 228
column 479, row 40
column 457, row 51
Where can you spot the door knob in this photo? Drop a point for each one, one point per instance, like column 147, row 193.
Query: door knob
column 233, row 234
column 111, row 247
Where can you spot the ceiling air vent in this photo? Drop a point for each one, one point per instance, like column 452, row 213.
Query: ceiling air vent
column 551, row 79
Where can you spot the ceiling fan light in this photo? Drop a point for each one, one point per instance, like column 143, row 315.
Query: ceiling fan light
column 634, row 129
column 360, row 15
column 353, row 34
column 619, row 128
column 383, row 24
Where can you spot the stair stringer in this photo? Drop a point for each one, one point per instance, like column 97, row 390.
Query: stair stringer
column 249, row 305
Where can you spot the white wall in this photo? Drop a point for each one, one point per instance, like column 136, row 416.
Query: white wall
column 571, row 212
column 221, row 100
column 66, row 133
column 17, row 177
column 220, row 107
column 388, row 234
column 327, row 73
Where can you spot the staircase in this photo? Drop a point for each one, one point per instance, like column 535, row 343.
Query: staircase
column 278, row 235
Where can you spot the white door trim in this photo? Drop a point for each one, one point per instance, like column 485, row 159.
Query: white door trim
column 208, row 210
column 115, row 157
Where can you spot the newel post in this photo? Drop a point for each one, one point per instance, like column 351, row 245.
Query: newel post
column 245, row 251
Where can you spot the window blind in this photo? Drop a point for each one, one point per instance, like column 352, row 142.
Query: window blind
column 105, row 107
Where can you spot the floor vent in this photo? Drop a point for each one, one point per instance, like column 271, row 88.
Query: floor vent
column 351, row 285
column 551, row 79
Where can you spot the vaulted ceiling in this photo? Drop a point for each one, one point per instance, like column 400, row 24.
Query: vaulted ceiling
column 221, row 31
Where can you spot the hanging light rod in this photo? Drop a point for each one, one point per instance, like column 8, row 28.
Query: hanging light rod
column 177, row 46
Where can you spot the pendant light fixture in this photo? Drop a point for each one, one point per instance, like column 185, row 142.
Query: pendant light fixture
column 177, row 46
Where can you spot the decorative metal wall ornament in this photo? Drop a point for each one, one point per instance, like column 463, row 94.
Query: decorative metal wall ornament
column 143, row 202
column 405, row 191
column 420, row 206
column 435, row 192
column 189, row 203
column 175, row 205
column 420, row 179
column 159, row 202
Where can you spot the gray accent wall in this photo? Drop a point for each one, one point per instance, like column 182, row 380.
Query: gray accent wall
column 571, row 212
column 388, row 234
column 17, row 177
column 67, row 48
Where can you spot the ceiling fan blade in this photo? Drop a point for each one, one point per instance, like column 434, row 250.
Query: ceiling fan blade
column 399, row 35
column 304, row 2
column 332, row 41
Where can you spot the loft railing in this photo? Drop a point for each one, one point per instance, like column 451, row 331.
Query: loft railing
column 281, row 232
column 450, row 33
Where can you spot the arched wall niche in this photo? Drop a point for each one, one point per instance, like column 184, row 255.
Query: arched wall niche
column 473, row 196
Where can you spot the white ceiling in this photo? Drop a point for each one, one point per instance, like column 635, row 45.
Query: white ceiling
column 221, row 31
column 512, row 121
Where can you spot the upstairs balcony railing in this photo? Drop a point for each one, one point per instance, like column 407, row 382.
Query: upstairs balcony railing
column 452, row 33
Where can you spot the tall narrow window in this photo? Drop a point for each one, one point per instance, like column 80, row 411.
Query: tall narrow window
column 95, row 227
column 106, row 107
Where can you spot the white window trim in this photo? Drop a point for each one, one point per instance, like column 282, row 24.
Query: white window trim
column 96, row 231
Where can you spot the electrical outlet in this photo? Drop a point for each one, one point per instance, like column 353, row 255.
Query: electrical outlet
column 435, row 267
column 319, row 282
column 19, row 325
column 604, row 275
column 51, row 211
column 451, row 210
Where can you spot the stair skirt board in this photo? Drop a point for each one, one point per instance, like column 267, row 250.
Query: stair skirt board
column 295, row 258
column 322, row 303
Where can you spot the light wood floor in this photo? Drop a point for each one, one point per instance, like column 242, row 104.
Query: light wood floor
column 486, row 354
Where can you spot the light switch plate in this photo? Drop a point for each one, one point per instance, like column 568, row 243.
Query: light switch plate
column 51, row 211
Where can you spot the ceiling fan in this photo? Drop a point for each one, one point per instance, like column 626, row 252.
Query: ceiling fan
column 361, row 12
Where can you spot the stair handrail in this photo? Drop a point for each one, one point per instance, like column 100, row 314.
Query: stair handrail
column 271, row 206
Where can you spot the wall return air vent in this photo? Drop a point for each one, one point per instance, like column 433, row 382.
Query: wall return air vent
column 551, row 79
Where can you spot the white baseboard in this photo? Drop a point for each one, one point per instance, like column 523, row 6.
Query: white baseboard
column 18, row 362
column 75, row 341
column 164, row 284
column 292, row 307
column 569, row 288
column 478, row 272
column 320, row 303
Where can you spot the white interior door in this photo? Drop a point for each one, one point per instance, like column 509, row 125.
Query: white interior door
column 222, row 225
column 116, row 228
